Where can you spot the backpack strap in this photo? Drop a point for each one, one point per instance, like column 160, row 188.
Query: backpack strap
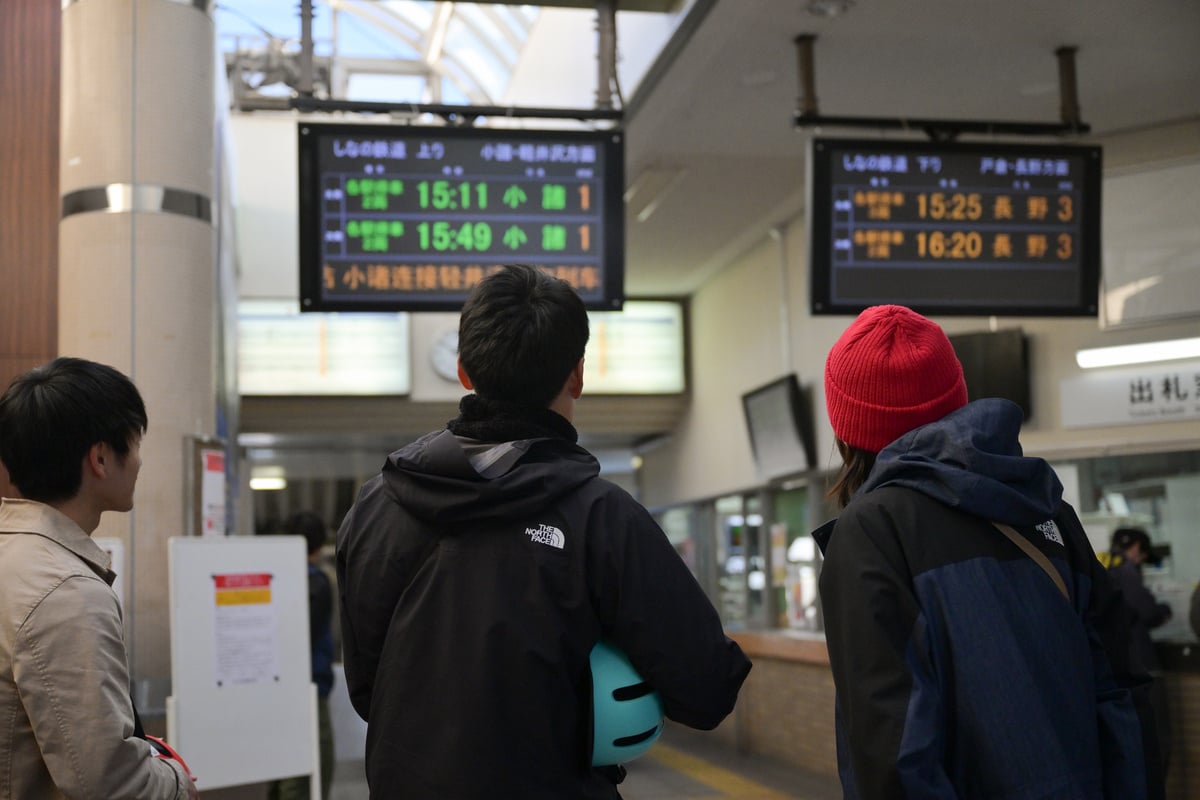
column 1037, row 555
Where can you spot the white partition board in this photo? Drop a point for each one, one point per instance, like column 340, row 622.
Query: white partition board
column 243, row 704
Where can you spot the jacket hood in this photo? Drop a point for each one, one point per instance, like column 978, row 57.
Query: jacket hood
column 971, row 460
column 448, row 480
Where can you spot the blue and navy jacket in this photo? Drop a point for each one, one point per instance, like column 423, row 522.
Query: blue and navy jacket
column 961, row 670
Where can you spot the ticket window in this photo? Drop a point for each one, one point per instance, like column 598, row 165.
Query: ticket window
column 795, row 562
column 1159, row 493
column 741, row 562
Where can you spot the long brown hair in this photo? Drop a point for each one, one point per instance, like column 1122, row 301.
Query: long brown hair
column 856, row 466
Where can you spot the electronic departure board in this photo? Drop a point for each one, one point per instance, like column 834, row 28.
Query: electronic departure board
column 404, row 218
column 954, row 228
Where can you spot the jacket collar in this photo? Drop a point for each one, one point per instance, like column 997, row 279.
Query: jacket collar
column 823, row 534
column 28, row 516
column 491, row 420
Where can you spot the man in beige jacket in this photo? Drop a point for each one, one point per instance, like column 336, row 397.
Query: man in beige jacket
column 70, row 433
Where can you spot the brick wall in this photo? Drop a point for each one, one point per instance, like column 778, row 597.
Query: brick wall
column 786, row 712
column 1183, row 772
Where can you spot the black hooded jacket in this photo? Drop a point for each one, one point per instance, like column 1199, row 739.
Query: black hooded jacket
column 477, row 571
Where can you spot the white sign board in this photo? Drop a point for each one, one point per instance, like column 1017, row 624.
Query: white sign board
column 1162, row 392
column 243, row 705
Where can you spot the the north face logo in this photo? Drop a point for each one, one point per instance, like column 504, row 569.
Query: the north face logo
column 546, row 534
column 1050, row 531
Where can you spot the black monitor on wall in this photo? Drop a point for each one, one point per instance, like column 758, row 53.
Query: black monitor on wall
column 954, row 228
column 995, row 364
column 405, row 218
column 780, row 424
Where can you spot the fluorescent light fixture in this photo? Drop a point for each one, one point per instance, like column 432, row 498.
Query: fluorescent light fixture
column 1170, row 350
column 267, row 478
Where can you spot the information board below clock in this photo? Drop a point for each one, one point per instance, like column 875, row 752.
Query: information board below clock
column 404, row 218
column 954, row 228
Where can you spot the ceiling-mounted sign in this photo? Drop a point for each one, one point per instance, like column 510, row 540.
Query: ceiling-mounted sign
column 1165, row 392
column 405, row 218
column 638, row 350
column 284, row 352
column 954, row 228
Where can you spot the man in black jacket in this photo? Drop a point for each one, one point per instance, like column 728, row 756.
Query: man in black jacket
column 478, row 570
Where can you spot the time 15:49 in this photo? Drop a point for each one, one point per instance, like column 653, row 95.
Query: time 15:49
column 442, row 236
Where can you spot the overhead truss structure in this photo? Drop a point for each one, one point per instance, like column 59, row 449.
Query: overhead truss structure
column 274, row 73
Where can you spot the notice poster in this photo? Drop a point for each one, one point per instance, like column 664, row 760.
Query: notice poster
column 246, row 629
column 212, row 493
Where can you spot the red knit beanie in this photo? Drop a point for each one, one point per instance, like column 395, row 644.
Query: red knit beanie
column 891, row 371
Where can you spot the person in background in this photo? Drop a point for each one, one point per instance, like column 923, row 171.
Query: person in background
column 1129, row 550
column 481, row 567
column 320, row 631
column 70, row 436
column 960, row 593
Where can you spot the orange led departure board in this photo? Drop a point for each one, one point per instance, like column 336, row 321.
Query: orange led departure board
column 954, row 228
column 405, row 218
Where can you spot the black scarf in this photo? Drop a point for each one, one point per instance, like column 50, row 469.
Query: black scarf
column 489, row 420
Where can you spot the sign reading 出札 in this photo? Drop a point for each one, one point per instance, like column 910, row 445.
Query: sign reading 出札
column 1160, row 393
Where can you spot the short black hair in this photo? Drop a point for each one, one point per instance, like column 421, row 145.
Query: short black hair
column 52, row 415
column 1125, row 538
column 520, row 334
column 309, row 525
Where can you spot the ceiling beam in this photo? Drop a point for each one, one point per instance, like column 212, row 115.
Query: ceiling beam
column 661, row 6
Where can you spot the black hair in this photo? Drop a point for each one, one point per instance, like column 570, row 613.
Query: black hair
column 309, row 525
column 520, row 334
column 52, row 415
column 856, row 467
column 1125, row 538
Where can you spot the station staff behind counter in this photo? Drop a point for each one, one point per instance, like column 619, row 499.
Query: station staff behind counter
column 480, row 568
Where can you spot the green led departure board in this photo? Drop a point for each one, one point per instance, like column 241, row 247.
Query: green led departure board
column 404, row 218
column 954, row 228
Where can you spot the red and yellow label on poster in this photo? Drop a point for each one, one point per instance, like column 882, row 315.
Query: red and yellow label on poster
column 243, row 589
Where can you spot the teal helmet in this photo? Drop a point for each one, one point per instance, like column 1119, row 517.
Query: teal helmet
column 627, row 714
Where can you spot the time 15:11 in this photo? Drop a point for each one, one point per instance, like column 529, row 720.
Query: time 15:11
column 448, row 196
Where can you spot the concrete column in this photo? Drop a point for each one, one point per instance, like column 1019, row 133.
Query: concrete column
column 137, row 282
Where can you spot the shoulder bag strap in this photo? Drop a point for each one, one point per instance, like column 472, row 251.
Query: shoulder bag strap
column 1037, row 555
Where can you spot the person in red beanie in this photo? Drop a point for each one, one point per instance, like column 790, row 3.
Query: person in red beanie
column 973, row 635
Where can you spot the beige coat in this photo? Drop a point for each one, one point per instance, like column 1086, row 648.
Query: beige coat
column 66, row 720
